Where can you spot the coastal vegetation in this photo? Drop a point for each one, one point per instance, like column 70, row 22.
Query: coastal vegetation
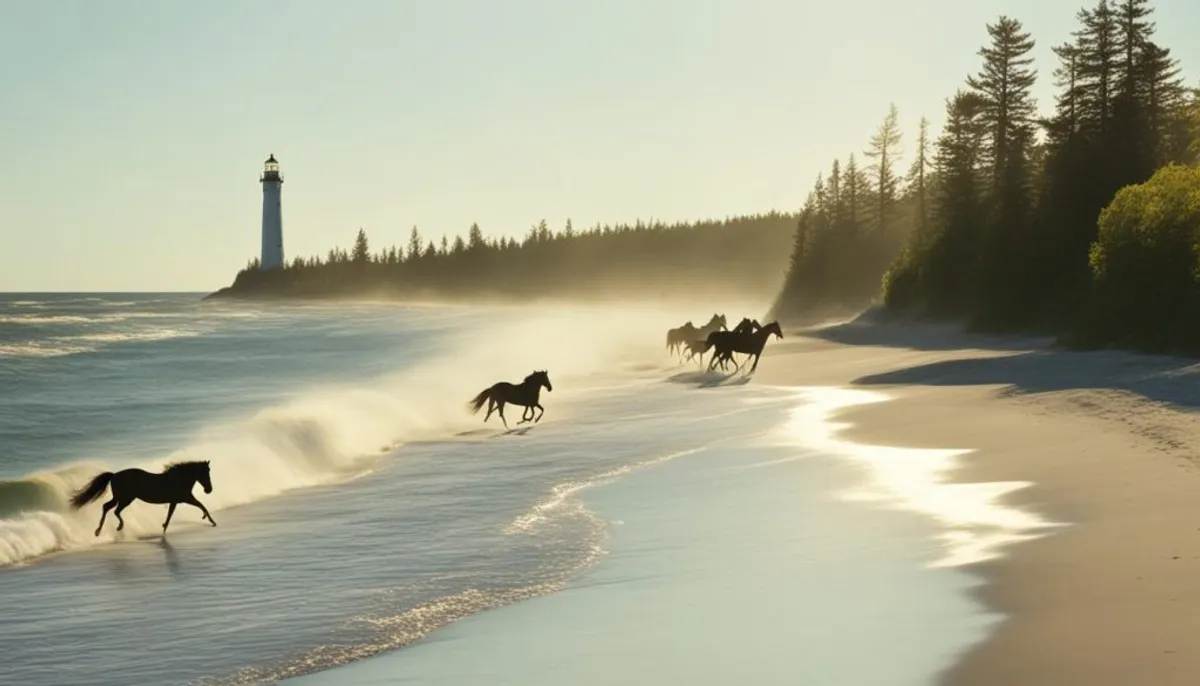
column 1082, row 223
column 1080, row 218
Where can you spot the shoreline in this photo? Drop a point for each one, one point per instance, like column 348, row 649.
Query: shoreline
column 1104, row 438
column 696, row 560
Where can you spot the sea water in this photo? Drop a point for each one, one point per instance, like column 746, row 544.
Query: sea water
column 656, row 525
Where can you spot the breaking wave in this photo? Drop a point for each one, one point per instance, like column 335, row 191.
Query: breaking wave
column 59, row 346
column 325, row 435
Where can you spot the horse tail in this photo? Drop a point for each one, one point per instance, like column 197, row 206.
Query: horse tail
column 478, row 401
column 92, row 491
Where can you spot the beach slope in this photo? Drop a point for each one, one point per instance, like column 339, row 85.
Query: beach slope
column 1107, row 440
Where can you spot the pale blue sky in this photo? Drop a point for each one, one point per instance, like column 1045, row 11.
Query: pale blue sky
column 133, row 132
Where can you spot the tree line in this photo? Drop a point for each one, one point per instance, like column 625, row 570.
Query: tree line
column 645, row 259
column 1081, row 223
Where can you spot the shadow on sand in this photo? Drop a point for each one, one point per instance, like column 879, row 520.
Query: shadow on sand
column 877, row 328
column 706, row 379
column 516, row 431
column 1030, row 367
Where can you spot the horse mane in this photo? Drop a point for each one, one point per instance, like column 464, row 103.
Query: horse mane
column 534, row 374
column 173, row 467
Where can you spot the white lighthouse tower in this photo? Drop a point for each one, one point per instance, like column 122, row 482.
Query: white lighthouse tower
column 272, row 215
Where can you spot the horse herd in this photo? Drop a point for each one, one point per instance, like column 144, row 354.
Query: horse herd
column 748, row 338
column 173, row 486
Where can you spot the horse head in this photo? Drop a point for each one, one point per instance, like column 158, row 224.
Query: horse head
column 773, row 328
column 196, row 470
column 718, row 319
column 542, row 377
column 204, row 476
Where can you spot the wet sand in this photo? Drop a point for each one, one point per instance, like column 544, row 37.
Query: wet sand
column 1105, row 437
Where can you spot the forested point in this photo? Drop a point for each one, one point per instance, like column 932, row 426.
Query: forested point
column 644, row 260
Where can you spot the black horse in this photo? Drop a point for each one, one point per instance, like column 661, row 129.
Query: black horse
column 697, row 348
column 752, row 344
column 525, row 393
column 171, row 487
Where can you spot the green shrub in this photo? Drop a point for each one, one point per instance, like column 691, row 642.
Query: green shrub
column 1145, row 263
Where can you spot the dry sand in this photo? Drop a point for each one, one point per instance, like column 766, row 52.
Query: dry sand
column 1106, row 437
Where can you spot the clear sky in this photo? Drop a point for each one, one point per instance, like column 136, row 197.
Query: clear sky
column 132, row 133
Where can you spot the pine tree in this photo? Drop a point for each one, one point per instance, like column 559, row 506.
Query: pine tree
column 854, row 185
column 1134, row 32
column 414, row 243
column 885, row 153
column 917, row 179
column 833, row 201
column 1098, row 49
column 475, row 238
column 818, row 198
column 362, row 250
column 1165, row 100
column 959, row 215
column 1004, row 87
column 1066, row 122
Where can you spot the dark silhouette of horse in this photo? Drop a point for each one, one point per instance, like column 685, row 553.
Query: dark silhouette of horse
column 171, row 487
column 525, row 393
column 679, row 336
column 677, row 339
column 728, row 342
column 697, row 348
column 725, row 355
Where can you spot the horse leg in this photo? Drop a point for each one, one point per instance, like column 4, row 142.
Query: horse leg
column 117, row 513
column 491, row 408
column 191, row 500
column 755, row 363
column 539, row 417
column 107, row 506
column 501, row 411
column 170, row 512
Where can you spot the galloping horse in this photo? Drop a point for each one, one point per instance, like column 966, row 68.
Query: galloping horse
column 728, row 342
column 526, row 393
column 678, row 338
column 697, row 348
column 171, row 487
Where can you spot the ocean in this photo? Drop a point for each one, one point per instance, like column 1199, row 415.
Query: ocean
column 659, row 525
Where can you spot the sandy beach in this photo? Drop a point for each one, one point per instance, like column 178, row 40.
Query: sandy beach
column 1106, row 439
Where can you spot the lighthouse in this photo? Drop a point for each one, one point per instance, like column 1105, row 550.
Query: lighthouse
column 272, row 215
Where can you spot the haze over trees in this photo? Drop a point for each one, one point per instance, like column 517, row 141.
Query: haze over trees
column 1079, row 217
column 739, row 255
